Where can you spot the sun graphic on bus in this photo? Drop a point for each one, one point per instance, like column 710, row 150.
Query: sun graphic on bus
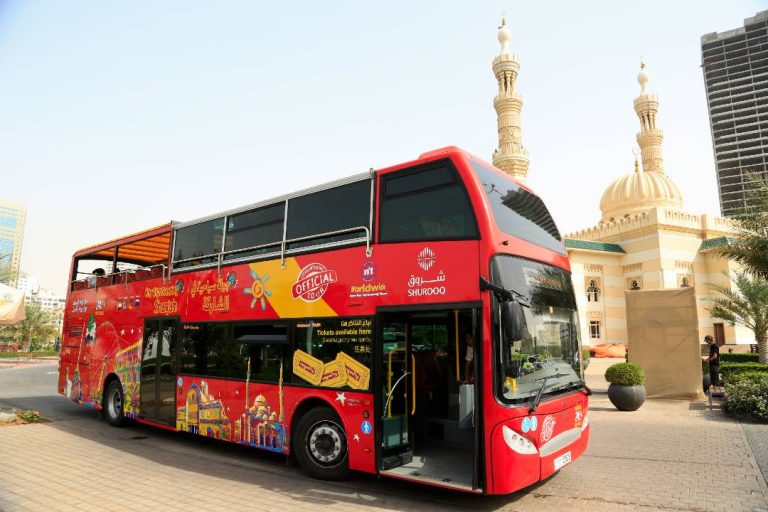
column 258, row 290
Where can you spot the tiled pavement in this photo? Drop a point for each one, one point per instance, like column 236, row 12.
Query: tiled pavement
column 669, row 455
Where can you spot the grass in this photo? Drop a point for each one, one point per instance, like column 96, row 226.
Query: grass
column 42, row 353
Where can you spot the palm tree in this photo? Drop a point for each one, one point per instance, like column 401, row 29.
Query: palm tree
column 747, row 305
column 750, row 250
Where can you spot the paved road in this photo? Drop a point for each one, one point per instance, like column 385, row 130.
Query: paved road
column 669, row 455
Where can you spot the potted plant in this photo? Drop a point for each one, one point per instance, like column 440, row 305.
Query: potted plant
column 626, row 391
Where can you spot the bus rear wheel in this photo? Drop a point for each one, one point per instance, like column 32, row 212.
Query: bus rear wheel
column 321, row 445
column 113, row 404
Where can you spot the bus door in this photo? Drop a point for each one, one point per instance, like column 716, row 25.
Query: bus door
column 396, row 399
column 158, row 370
column 429, row 413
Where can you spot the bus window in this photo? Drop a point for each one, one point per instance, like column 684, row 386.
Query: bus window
column 255, row 228
column 198, row 244
column 265, row 347
column 326, row 211
column 517, row 211
column 425, row 203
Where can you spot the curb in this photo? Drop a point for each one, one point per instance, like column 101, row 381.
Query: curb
column 761, row 478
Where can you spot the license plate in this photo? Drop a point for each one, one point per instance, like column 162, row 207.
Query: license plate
column 562, row 460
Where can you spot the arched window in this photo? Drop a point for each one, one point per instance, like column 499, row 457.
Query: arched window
column 592, row 291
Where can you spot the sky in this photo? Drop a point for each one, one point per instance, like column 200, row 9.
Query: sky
column 116, row 117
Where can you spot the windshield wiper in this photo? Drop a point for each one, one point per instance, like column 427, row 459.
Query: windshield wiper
column 503, row 294
column 569, row 385
column 544, row 380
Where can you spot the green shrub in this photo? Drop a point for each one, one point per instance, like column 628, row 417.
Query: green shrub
column 747, row 394
column 585, row 354
column 729, row 369
column 739, row 358
column 29, row 416
column 742, row 376
column 629, row 374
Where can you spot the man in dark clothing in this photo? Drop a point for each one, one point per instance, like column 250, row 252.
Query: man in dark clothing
column 713, row 360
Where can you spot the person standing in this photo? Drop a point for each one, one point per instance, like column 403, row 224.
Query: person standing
column 713, row 360
column 469, row 357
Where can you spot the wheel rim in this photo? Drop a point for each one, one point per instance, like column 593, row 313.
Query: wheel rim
column 114, row 403
column 326, row 444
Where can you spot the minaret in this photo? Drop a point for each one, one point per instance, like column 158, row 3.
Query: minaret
column 649, row 138
column 511, row 157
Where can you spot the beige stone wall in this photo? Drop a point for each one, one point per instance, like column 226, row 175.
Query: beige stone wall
column 662, row 248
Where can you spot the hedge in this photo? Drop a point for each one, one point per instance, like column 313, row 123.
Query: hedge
column 747, row 393
column 739, row 358
column 729, row 369
column 740, row 377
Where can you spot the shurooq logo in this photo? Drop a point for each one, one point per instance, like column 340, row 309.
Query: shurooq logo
column 313, row 282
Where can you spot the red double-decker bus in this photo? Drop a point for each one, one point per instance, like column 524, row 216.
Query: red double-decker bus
column 416, row 322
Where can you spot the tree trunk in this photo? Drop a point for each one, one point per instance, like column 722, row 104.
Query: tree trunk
column 762, row 348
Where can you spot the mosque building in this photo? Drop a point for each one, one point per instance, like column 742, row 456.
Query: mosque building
column 644, row 238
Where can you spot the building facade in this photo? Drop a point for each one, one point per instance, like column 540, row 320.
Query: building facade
column 12, row 217
column 735, row 65
column 48, row 300
column 644, row 238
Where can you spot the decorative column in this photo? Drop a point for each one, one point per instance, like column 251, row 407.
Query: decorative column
column 511, row 157
column 649, row 137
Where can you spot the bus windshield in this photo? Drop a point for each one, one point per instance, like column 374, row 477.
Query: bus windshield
column 546, row 357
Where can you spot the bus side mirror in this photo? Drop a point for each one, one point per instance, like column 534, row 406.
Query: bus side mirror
column 513, row 318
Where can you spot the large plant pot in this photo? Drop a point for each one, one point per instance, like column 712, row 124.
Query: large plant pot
column 626, row 398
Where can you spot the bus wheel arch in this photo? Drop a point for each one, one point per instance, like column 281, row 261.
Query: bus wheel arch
column 320, row 441
column 113, row 402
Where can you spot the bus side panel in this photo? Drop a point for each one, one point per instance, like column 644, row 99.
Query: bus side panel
column 260, row 414
column 102, row 335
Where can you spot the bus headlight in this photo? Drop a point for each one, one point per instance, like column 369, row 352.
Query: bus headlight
column 518, row 443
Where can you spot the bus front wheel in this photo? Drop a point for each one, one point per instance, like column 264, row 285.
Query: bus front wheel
column 113, row 404
column 321, row 445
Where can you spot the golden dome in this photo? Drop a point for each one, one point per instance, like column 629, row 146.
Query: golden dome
column 638, row 192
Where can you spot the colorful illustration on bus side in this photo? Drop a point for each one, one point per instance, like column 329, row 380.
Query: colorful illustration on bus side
column 106, row 348
column 203, row 414
column 127, row 367
column 258, row 425
column 261, row 427
column 90, row 331
column 73, row 388
column 258, row 290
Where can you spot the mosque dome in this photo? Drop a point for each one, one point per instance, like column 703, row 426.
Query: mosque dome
column 637, row 192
